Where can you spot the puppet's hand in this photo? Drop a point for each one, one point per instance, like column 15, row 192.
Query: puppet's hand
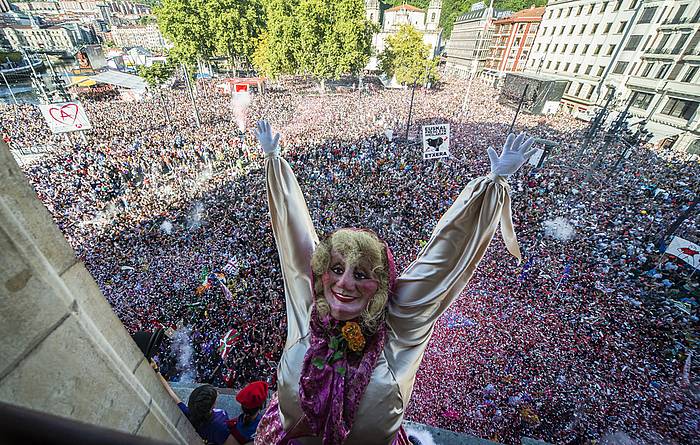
column 268, row 142
column 515, row 154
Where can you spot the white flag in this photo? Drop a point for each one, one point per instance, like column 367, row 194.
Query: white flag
column 685, row 250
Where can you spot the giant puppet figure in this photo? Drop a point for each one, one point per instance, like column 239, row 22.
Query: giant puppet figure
column 356, row 332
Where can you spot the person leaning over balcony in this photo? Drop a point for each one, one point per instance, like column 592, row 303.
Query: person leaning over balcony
column 209, row 422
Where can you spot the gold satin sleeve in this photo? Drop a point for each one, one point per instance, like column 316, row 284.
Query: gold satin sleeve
column 443, row 268
column 295, row 238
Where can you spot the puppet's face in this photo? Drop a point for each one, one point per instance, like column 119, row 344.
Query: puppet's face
column 348, row 287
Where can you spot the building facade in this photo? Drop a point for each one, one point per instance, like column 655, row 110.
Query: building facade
column 33, row 38
column 146, row 36
column 512, row 41
column 632, row 50
column 425, row 21
column 469, row 45
column 664, row 86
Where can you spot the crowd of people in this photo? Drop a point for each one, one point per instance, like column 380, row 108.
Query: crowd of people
column 594, row 333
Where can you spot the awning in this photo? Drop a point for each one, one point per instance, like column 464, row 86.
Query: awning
column 120, row 79
column 81, row 81
column 661, row 131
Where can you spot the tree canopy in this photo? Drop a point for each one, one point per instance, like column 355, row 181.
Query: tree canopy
column 200, row 29
column 314, row 37
column 407, row 57
column 157, row 73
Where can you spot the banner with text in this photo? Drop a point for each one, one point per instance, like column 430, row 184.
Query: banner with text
column 436, row 141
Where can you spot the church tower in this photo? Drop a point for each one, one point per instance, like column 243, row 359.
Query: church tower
column 372, row 10
column 432, row 19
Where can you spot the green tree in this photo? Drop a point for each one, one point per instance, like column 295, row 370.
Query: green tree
column 186, row 24
column 407, row 57
column 314, row 37
column 236, row 26
column 278, row 46
column 157, row 73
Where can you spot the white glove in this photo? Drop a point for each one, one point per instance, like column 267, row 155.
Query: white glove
column 268, row 142
column 515, row 154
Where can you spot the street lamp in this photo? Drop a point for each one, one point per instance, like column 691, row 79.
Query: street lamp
column 413, row 92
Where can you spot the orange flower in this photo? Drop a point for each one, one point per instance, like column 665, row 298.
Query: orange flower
column 352, row 333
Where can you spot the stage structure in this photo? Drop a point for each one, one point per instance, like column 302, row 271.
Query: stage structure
column 542, row 96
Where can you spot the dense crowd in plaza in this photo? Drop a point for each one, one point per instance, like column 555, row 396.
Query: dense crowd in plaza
column 594, row 333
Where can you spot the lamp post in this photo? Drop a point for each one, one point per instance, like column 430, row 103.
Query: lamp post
column 413, row 92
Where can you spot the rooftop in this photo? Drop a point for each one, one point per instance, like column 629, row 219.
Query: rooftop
column 525, row 15
column 404, row 8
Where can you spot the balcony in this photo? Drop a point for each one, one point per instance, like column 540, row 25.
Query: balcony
column 644, row 83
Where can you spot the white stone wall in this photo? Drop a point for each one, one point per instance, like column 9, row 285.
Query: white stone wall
column 63, row 350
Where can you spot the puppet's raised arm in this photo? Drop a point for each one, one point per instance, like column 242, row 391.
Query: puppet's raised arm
column 294, row 232
column 443, row 268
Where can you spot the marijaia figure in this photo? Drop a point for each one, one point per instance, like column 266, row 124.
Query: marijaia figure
column 357, row 331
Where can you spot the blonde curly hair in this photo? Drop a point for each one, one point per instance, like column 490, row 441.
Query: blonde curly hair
column 356, row 246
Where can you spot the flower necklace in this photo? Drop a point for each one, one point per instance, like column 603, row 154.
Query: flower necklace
column 350, row 340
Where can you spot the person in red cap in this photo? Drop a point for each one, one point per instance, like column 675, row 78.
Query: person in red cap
column 252, row 399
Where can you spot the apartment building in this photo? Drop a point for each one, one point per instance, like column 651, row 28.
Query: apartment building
column 512, row 42
column 469, row 46
column 663, row 86
column 148, row 37
column 33, row 38
column 582, row 41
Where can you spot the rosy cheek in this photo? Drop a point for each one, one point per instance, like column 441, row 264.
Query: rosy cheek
column 368, row 287
column 325, row 278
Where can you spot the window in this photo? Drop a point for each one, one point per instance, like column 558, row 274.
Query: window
column 611, row 48
column 554, row 49
column 590, row 93
column 590, row 10
column 577, row 68
column 550, row 14
column 561, row 30
column 600, row 71
column 585, row 50
column 549, row 64
column 679, row 14
column 544, row 31
column 684, row 109
column 588, row 69
column 603, row 7
column 559, row 12
column 546, row 47
column 642, row 100
column 662, row 43
column 690, row 74
column 680, row 44
column 633, row 42
column 578, row 89
column 621, row 27
column 647, row 69
column 663, row 70
column 583, row 28
column 563, row 48
column 578, row 10
column 620, row 68
column 595, row 28
column 597, row 50
column 633, row 4
column 607, row 28
column 568, row 12
column 571, row 29
column 574, row 48
column 617, row 5
column 648, row 15
column 566, row 67
column 556, row 68
column 539, row 46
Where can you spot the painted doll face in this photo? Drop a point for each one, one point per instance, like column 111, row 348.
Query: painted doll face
column 348, row 288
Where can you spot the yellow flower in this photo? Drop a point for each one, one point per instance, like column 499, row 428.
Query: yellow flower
column 352, row 333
